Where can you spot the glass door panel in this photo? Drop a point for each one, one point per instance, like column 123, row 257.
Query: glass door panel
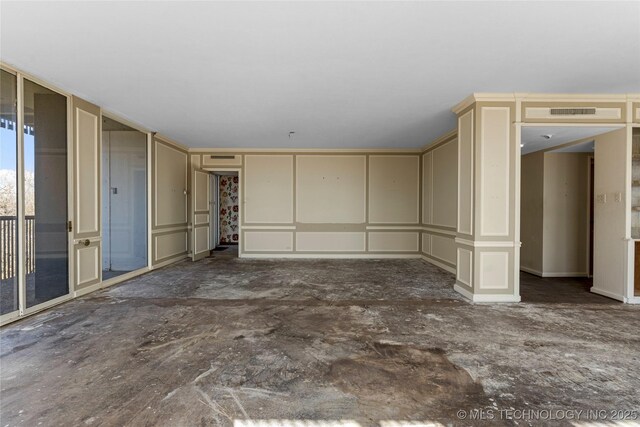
column 8, row 193
column 45, row 187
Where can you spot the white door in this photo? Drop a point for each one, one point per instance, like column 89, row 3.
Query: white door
column 201, row 211
column 124, row 193
column 87, row 230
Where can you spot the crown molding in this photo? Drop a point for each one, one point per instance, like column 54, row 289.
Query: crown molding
column 120, row 119
column 308, row 150
column 543, row 97
column 483, row 96
column 170, row 141
column 441, row 139
column 575, row 97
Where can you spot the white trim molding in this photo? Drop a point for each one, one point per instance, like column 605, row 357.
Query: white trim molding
column 268, row 227
column 438, row 264
column 609, row 294
column 487, row 244
column 329, row 256
column 432, row 230
column 465, row 293
column 485, row 298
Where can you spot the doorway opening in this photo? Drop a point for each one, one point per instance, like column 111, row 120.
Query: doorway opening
column 124, row 200
column 557, row 215
column 225, row 208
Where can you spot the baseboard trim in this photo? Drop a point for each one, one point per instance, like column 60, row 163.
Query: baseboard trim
column 465, row 293
column 439, row 264
column 87, row 290
column 110, row 282
column 531, row 271
column 553, row 274
column 569, row 274
column 633, row 300
column 169, row 261
column 485, row 297
column 124, row 277
column 609, row 294
column 329, row 256
column 495, row 298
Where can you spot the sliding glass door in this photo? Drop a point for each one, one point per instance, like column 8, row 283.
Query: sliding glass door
column 8, row 193
column 45, row 189
column 34, row 234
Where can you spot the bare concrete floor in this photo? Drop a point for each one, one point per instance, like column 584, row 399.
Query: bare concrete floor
column 225, row 339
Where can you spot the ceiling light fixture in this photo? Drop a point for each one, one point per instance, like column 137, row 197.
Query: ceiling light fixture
column 546, row 136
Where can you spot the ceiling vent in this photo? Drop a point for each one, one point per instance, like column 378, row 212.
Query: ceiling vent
column 223, row 157
column 572, row 111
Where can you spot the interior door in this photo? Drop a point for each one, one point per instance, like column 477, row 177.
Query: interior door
column 201, row 211
column 87, row 230
column 127, row 198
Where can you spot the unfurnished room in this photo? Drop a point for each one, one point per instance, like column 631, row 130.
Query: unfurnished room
column 319, row 214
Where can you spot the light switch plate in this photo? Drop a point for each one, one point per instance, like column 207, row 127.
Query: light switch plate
column 618, row 197
column 601, row 198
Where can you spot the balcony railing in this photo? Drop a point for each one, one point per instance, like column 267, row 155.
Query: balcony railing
column 8, row 245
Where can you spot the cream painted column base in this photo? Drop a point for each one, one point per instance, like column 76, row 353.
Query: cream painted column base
column 487, row 298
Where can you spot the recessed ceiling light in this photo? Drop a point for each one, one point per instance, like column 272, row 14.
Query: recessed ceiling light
column 546, row 136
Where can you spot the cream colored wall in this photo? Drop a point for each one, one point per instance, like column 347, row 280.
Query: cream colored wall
column 565, row 214
column 331, row 189
column 554, row 214
column 394, row 189
column 531, row 212
column 610, row 233
column 169, row 213
column 327, row 204
column 269, row 189
column 440, row 202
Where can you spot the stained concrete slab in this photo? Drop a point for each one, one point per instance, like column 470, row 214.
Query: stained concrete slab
column 229, row 339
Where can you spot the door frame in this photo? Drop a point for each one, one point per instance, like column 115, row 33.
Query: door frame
column 518, row 128
column 631, row 296
column 214, row 170
column 214, row 209
column 590, row 210
column 149, row 144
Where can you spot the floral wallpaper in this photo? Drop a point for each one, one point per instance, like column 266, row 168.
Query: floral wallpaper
column 228, row 209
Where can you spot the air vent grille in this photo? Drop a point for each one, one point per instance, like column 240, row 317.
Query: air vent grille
column 223, row 157
column 573, row 111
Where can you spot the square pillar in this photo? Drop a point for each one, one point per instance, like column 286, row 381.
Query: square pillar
column 488, row 228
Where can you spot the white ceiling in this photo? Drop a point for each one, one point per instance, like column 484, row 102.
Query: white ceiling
column 583, row 147
column 339, row 74
column 532, row 136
